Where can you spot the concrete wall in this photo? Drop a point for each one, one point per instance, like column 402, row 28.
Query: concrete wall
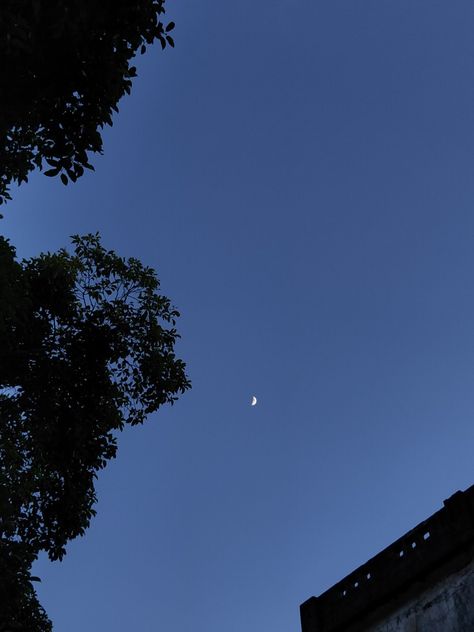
column 426, row 578
column 448, row 606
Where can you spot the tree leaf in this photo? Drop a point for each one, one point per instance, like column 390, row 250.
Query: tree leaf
column 59, row 129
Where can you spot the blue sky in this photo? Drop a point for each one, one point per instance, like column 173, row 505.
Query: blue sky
column 301, row 176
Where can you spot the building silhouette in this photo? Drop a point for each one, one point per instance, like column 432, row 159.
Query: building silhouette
column 422, row 582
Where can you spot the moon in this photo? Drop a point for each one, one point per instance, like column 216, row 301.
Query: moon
column 254, row 400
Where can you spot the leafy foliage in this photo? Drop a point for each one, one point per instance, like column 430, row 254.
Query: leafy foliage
column 86, row 346
column 20, row 609
column 65, row 64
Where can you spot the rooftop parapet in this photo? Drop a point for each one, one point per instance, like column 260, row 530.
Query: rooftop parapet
column 445, row 535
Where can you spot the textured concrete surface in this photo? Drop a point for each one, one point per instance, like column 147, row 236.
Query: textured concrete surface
column 422, row 582
column 445, row 607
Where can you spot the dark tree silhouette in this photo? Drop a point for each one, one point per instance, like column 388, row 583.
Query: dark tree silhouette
column 65, row 64
column 86, row 346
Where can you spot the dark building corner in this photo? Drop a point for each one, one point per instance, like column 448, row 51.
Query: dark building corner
column 422, row 582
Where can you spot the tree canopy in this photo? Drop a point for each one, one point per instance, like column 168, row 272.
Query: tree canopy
column 86, row 346
column 65, row 66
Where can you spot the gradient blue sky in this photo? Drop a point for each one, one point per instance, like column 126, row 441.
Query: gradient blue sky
column 301, row 175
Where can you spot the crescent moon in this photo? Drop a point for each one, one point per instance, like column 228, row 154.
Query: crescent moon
column 254, row 400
